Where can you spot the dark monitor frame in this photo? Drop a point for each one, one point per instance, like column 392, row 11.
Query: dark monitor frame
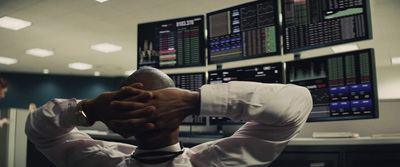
column 374, row 99
column 149, row 31
column 235, row 39
column 280, row 64
column 368, row 30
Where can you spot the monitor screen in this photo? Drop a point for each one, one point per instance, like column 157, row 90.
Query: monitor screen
column 172, row 43
column 244, row 31
column 309, row 24
column 190, row 81
column 265, row 73
column 343, row 86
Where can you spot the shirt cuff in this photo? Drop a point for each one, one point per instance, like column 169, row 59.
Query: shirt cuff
column 214, row 100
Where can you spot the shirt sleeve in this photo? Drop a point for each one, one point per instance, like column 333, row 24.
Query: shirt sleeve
column 52, row 128
column 274, row 113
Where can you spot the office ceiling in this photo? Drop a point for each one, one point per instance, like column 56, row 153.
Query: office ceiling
column 70, row 27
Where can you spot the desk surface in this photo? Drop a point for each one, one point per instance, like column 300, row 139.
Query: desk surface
column 344, row 141
column 294, row 142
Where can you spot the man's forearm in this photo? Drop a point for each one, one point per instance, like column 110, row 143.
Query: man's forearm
column 263, row 103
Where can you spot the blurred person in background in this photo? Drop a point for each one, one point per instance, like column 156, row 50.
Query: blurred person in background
column 3, row 91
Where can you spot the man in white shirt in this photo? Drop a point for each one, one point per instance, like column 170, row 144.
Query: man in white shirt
column 152, row 112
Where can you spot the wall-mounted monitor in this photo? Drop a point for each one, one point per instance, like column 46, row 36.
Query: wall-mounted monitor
column 265, row 73
column 172, row 43
column 343, row 86
column 249, row 30
column 309, row 24
column 190, row 81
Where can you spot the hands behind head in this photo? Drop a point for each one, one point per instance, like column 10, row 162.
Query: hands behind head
column 155, row 114
column 101, row 108
column 162, row 113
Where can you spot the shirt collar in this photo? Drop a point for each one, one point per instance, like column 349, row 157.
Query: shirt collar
column 158, row 156
column 171, row 148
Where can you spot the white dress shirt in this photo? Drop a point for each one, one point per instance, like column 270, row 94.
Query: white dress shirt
column 274, row 113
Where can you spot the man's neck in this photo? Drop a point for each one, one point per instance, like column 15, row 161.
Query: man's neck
column 169, row 140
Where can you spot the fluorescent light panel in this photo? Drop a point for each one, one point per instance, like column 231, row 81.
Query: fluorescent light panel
column 129, row 72
column 39, row 52
column 13, row 23
column 106, row 47
column 395, row 60
column 80, row 66
column 45, row 71
column 97, row 73
column 101, row 1
column 344, row 48
column 7, row 60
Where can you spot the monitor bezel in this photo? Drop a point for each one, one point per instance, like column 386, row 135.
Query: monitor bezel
column 281, row 64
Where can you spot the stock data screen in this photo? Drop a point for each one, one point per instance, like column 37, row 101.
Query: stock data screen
column 343, row 86
column 190, row 81
column 266, row 73
column 309, row 24
column 245, row 31
column 172, row 43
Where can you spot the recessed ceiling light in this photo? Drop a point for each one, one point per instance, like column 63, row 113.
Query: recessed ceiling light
column 129, row 72
column 45, row 71
column 344, row 48
column 97, row 73
column 101, row 1
column 80, row 66
column 39, row 52
column 395, row 60
column 7, row 60
column 106, row 47
column 13, row 23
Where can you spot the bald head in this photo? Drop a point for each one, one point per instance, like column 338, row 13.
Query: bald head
column 151, row 78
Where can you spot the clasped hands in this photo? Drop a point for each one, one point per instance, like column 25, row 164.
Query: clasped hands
column 132, row 111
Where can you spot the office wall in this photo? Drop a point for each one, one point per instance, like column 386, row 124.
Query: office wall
column 24, row 88
column 13, row 141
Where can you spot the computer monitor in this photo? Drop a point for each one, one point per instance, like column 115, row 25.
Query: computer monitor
column 265, row 73
column 343, row 86
column 172, row 43
column 310, row 24
column 190, row 81
column 249, row 30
